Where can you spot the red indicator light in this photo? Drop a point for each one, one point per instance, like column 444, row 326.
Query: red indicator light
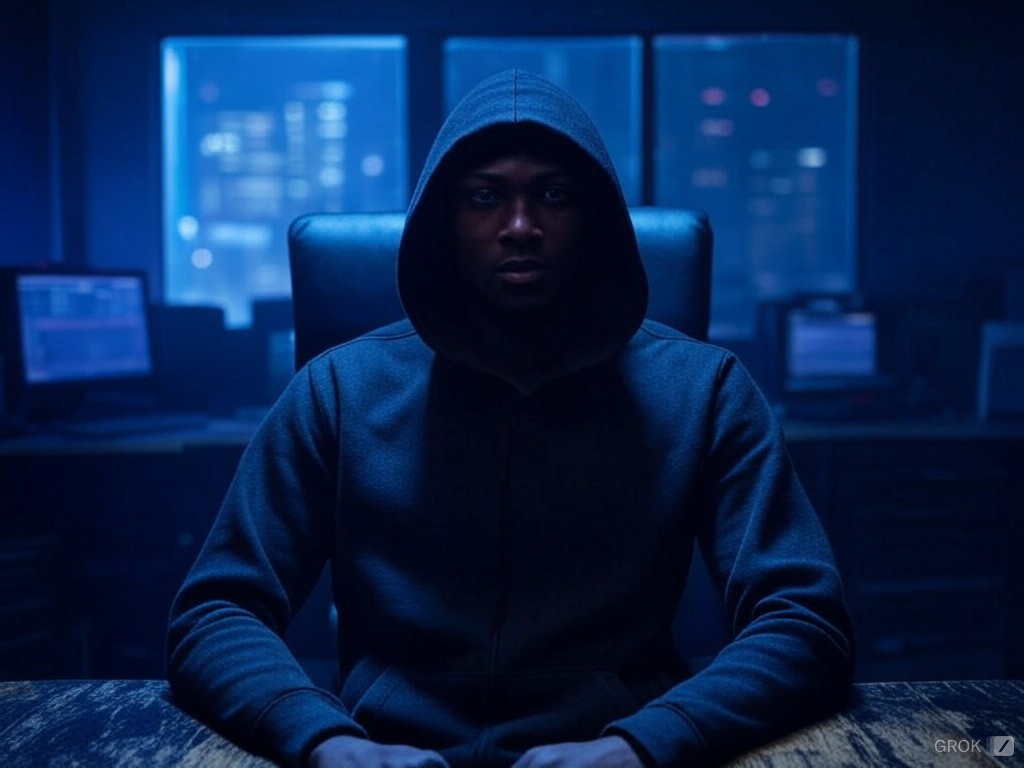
column 759, row 97
column 713, row 96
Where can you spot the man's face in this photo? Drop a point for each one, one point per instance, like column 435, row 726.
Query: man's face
column 517, row 221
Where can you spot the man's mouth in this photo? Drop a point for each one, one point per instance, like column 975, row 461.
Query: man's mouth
column 521, row 270
column 521, row 264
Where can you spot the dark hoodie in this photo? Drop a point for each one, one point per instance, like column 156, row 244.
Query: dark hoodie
column 518, row 111
column 509, row 543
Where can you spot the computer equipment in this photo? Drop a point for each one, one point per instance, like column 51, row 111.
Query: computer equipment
column 1001, row 372
column 831, row 368
column 829, row 349
column 78, row 349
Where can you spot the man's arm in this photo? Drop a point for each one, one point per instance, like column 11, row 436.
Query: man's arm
column 791, row 657
column 227, row 659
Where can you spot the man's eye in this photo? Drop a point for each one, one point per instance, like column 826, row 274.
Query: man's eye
column 556, row 194
column 483, row 196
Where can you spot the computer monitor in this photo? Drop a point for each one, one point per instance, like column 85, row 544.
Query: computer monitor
column 831, row 366
column 830, row 346
column 72, row 336
column 1001, row 371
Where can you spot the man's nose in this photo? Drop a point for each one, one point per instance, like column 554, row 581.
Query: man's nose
column 521, row 224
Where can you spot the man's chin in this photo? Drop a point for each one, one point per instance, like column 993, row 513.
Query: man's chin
column 523, row 308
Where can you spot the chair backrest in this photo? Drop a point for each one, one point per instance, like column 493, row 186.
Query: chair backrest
column 343, row 273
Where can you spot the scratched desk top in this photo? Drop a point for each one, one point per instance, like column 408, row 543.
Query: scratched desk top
column 134, row 723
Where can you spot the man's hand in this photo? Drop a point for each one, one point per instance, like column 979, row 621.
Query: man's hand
column 354, row 752
column 606, row 752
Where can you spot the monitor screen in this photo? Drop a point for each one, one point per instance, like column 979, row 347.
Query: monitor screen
column 830, row 344
column 260, row 130
column 82, row 328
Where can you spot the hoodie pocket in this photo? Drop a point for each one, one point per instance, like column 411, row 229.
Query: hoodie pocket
column 572, row 688
column 517, row 710
column 565, row 705
column 397, row 706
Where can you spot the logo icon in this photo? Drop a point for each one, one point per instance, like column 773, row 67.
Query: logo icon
column 1000, row 746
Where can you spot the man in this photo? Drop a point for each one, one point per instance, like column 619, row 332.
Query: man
column 508, row 486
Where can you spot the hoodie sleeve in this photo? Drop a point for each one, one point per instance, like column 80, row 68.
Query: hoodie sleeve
column 791, row 657
column 227, row 660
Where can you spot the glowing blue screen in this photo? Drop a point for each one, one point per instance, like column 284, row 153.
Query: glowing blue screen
column 258, row 131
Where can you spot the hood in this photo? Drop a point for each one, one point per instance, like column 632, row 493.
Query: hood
column 520, row 110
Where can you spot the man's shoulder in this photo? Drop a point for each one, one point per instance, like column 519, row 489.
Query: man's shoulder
column 665, row 337
column 398, row 338
column 396, row 331
column 661, row 352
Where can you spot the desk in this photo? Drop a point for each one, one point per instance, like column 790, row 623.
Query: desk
column 98, row 724
column 898, row 724
column 105, row 723
column 230, row 433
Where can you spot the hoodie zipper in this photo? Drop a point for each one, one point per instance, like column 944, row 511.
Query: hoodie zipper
column 502, row 560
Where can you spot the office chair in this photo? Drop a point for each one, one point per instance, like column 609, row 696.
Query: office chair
column 343, row 273
column 343, row 285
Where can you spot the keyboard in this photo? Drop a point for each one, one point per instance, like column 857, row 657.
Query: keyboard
column 136, row 424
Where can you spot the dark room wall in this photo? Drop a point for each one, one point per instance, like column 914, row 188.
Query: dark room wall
column 25, row 202
column 941, row 164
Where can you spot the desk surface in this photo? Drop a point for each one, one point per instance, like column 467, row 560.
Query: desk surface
column 218, row 432
column 98, row 724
